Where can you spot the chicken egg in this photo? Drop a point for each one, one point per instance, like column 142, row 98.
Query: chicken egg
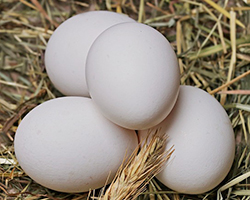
column 67, row 49
column 132, row 75
column 65, row 144
column 202, row 135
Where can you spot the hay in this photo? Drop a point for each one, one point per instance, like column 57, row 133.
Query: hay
column 212, row 42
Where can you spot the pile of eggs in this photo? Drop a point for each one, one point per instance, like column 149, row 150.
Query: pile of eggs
column 118, row 77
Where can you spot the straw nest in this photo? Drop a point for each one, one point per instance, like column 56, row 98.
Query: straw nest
column 212, row 42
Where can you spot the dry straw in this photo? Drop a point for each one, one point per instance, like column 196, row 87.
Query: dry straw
column 143, row 165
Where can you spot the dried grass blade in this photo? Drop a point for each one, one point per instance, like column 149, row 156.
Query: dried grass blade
column 217, row 48
column 242, row 192
column 243, row 125
column 28, row 4
column 7, row 161
column 178, row 42
column 141, row 11
column 223, row 11
column 243, row 57
column 235, row 181
column 233, row 44
column 242, row 157
column 230, row 82
column 238, row 106
column 157, row 8
column 40, row 8
column 243, row 92
column 222, row 39
column 233, row 57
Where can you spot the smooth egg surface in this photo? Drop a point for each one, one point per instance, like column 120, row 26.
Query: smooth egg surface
column 202, row 135
column 67, row 49
column 65, row 144
column 132, row 75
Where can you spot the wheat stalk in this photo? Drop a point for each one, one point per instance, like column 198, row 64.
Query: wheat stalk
column 142, row 166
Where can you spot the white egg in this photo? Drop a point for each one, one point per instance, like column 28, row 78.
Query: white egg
column 66, row 145
column 67, row 49
column 132, row 75
column 203, row 139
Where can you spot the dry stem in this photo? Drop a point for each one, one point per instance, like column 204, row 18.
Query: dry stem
column 144, row 164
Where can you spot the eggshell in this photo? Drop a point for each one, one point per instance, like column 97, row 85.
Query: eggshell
column 132, row 75
column 203, row 139
column 65, row 144
column 67, row 49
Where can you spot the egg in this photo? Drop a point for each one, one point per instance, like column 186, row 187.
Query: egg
column 67, row 49
column 201, row 133
column 66, row 145
column 132, row 75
